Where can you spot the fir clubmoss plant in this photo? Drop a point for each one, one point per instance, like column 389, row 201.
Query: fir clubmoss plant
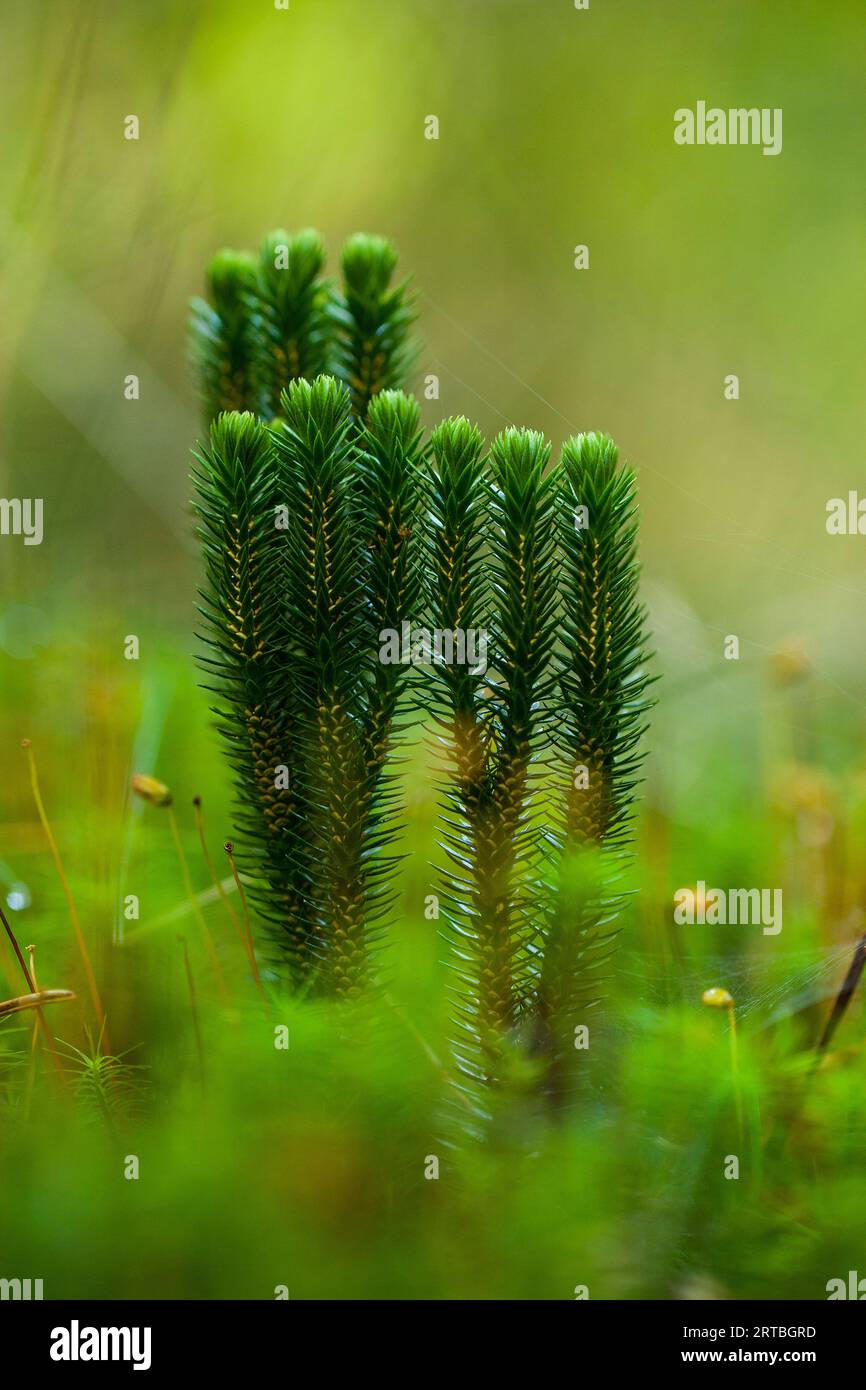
column 598, row 718
column 349, row 576
column 294, row 608
column 376, row 352
column 326, row 659
column 389, row 461
column 458, row 596
column 274, row 318
column 245, row 635
column 543, row 749
column 319, row 554
column 491, row 566
column 224, row 338
column 292, row 323
column 602, row 682
column 523, row 576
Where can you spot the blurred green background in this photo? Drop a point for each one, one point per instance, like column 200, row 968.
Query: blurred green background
column 556, row 129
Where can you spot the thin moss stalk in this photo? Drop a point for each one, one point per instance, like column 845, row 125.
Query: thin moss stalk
column 95, row 997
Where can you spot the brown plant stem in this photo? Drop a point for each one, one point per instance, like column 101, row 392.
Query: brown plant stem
column 70, row 902
column 215, row 879
column 49, row 1036
column 843, row 998
column 35, row 1001
column 31, row 952
column 194, row 1011
column 194, row 904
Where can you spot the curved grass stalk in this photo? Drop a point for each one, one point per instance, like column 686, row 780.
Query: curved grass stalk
column 35, row 1001
column 95, row 997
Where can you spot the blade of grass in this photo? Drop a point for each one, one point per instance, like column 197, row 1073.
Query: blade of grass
column 35, row 1001
column 194, row 1011
column 251, row 951
column 199, row 820
column 49, row 1036
column 70, row 902
column 197, row 912
column 844, row 997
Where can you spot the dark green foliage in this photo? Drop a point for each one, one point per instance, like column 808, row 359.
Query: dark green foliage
column 389, row 500
column 376, row 352
column 458, row 593
column 388, row 462
column 324, row 603
column 602, row 680
column 323, row 544
column 523, row 574
column 245, row 636
column 292, row 325
column 308, row 535
column 599, row 718
column 326, row 660
column 349, row 574
column 273, row 319
column 109, row 1090
column 458, row 598
column 222, row 337
column 534, row 849
column 492, row 722
column 295, row 608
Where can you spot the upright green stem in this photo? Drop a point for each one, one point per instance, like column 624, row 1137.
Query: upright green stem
column 597, row 723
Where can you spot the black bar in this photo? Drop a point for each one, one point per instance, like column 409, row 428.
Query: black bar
column 227, row 1337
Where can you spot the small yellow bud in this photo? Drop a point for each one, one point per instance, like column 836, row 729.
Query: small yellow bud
column 789, row 662
column 716, row 998
column 149, row 789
